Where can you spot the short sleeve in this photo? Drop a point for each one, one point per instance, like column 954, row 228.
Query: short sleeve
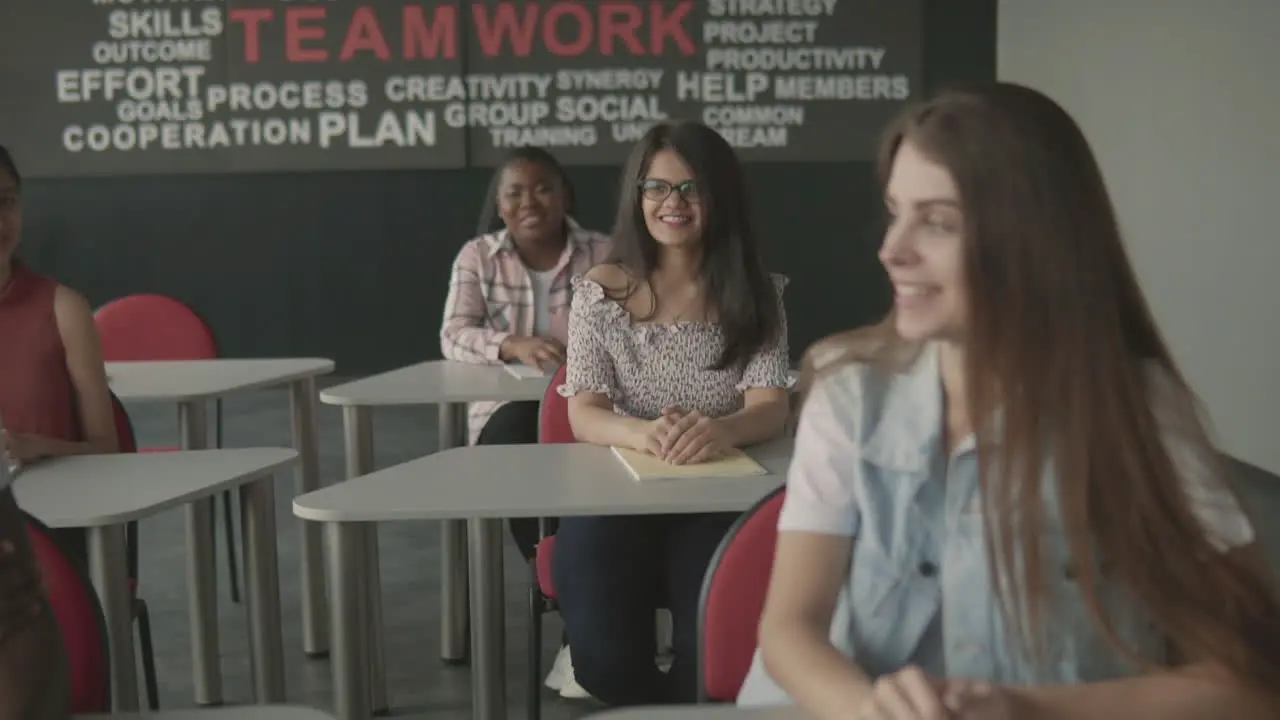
column 1199, row 466
column 821, row 492
column 771, row 367
column 589, row 366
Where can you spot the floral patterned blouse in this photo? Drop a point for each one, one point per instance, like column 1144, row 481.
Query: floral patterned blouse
column 645, row 367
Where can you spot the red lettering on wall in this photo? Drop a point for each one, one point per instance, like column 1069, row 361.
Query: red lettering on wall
column 551, row 27
column 662, row 26
column 433, row 40
column 624, row 29
column 295, row 33
column 505, row 22
column 251, row 18
column 504, row 29
column 365, row 35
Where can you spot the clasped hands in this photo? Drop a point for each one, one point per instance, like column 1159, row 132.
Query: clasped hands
column 912, row 694
column 682, row 437
column 24, row 448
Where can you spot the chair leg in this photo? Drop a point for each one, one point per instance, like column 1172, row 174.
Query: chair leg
column 143, row 617
column 228, row 514
column 534, row 689
column 233, row 569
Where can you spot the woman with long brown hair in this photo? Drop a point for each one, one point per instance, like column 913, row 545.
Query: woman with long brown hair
column 1003, row 502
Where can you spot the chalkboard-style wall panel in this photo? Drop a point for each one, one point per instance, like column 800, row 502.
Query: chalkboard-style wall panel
column 354, row 266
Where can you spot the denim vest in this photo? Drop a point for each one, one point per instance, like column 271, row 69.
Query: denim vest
column 919, row 589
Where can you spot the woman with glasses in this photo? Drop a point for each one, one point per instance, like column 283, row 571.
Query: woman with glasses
column 53, row 384
column 677, row 348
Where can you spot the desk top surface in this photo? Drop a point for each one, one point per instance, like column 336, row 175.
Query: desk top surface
column 506, row 481
column 95, row 490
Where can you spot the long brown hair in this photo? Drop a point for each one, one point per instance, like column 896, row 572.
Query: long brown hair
column 1061, row 344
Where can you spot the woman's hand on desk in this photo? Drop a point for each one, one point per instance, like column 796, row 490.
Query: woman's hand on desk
column 693, row 438
column 533, row 351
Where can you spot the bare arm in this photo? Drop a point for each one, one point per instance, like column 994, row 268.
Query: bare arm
column 595, row 422
column 88, row 378
column 763, row 416
column 808, row 571
column 813, row 558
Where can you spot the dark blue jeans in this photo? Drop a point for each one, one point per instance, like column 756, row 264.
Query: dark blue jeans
column 611, row 575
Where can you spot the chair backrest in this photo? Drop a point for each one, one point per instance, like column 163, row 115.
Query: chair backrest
column 733, row 594
column 125, row 438
column 553, row 413
column 80, row 618
column 153, row 327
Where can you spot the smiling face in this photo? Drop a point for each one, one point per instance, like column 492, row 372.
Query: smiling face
column 923, row 249
column 531, row 202
column 10, row 214
column 670, row 201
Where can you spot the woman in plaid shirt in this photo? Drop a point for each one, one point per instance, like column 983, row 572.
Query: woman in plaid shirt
column 509, row 292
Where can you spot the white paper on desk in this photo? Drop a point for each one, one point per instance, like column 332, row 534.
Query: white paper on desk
column 521, row 371
column 645, row 468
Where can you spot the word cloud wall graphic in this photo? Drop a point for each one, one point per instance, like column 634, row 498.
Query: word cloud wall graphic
column 119, row 87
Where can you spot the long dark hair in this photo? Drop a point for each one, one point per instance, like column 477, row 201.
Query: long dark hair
column 490, row 221
column 8, row 165
column 739, row 289
column 1062, row 342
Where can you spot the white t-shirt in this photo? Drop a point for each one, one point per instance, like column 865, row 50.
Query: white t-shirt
column 541, row 283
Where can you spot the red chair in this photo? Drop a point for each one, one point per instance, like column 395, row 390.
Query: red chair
column 155, row 327
column 733, row 598
column 127, row 444
column 80, row 620
column 553, row 427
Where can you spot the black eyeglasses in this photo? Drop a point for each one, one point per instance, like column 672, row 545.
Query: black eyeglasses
column 659, row 190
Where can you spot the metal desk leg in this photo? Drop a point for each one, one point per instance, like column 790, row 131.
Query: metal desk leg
column 109, row 571
column 202, row 577
column 262, row 585
column 357, row 425
column 350, row 657
column 302, row 402
column 453, row 551
column 488, row 631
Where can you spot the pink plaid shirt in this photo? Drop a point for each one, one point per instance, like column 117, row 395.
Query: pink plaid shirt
column 491, row 299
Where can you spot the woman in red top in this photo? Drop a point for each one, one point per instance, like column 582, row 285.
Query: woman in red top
column 53, row 385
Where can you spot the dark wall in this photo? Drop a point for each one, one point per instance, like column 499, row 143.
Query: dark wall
column 354, row 266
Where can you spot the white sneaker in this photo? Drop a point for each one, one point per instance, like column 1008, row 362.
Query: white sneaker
column 664, row 660
column 561, row 677
column 561, row 670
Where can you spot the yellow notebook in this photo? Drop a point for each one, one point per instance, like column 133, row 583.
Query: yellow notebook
column 643, row 466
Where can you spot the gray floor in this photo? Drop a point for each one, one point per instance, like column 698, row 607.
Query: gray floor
column 420, row 684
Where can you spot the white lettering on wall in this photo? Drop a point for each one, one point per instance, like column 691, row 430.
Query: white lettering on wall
column 757, row 8
column 550, row 136
column 610, row 108
column 496, row 114
column 842, row 87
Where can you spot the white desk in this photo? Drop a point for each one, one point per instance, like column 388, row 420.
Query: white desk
column 702, row 712
column 104, row 492
column 449, row 385
column 475, row 484
column 191, row 384
column 248, row 712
